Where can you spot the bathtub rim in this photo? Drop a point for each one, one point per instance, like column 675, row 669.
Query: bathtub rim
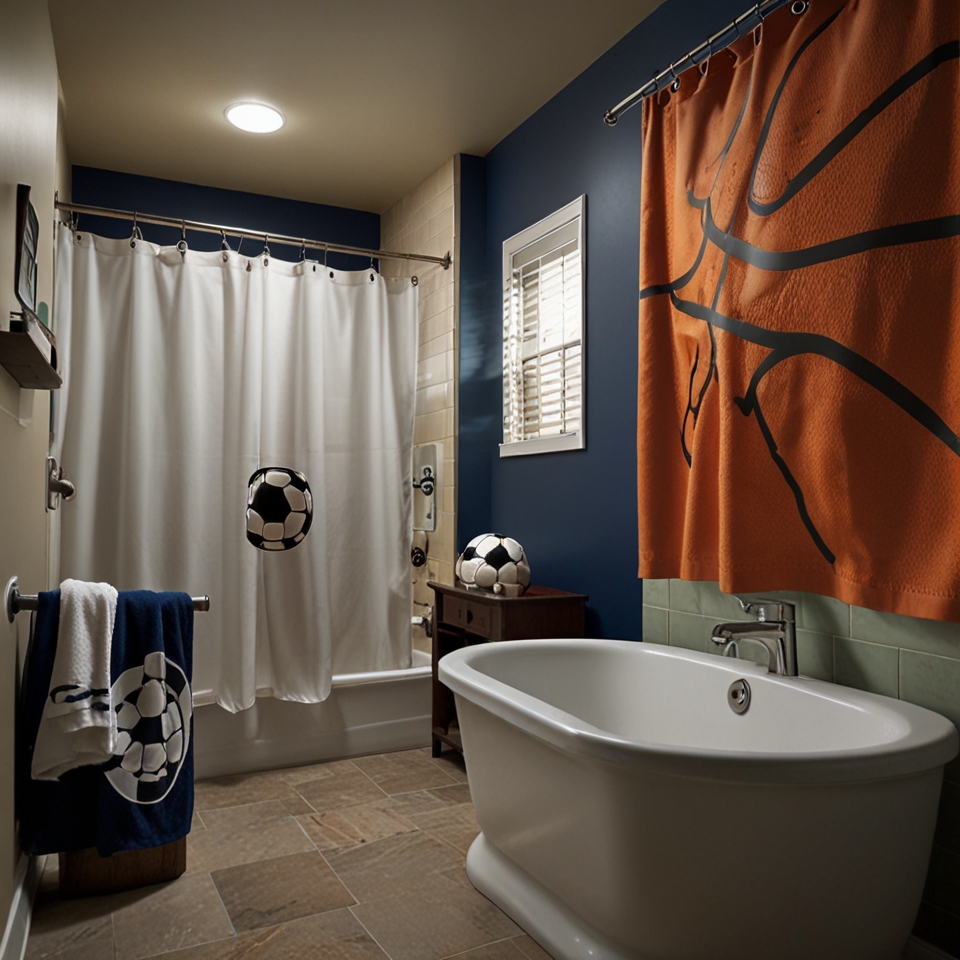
column 931, row 740
column 421, row 666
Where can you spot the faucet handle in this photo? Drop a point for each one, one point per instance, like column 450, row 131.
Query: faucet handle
column 768, row 609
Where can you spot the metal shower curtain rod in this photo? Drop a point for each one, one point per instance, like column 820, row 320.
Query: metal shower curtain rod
column 670, row 77
column 302, row 242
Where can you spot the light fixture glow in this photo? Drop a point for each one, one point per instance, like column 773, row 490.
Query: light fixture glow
column 255, row 117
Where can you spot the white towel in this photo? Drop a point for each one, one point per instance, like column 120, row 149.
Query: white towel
column 79, row 725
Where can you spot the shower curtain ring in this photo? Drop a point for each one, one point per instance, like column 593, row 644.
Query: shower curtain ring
column 266, row 249
column 135, row 234
column 675, row 86
column 224, row 246
column 182, row 244
column 303, row 250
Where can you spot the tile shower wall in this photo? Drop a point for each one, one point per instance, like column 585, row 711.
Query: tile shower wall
column 423, row 222
column 912, row 659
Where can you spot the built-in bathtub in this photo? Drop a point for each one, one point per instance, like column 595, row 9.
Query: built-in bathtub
column 365, row 713
column 629, row 813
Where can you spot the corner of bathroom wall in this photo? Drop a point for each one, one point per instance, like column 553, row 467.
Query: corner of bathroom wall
column 424, row 222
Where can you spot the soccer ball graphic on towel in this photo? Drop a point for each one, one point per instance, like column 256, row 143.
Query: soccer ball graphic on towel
column 154, row 709
column 496, row 563
column 279, row 508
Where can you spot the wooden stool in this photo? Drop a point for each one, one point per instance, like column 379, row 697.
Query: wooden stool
column 84, row 873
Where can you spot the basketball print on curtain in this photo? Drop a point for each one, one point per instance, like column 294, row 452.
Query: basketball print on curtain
column 799, row 396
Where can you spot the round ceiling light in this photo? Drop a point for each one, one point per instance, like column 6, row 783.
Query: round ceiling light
column 255, row 117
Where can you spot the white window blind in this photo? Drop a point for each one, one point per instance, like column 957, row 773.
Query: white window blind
column 543, row 336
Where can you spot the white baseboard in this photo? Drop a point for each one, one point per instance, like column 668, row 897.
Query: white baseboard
column 14, row 942
column 916, row 949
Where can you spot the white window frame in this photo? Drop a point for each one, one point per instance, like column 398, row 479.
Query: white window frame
column 512, row 253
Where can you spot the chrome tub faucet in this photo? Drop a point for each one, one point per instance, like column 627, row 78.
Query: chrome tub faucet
column 774, row 628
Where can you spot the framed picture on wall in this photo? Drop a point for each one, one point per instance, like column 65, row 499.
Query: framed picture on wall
column 28, row 235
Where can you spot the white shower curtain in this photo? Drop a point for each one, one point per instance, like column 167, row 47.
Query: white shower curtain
column 183, row 375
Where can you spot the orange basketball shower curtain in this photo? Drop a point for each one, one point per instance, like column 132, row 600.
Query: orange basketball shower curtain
column 799, row 383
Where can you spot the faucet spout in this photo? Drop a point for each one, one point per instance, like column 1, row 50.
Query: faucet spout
column 774, row 629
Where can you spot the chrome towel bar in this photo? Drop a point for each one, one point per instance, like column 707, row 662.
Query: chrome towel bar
column 14, row 601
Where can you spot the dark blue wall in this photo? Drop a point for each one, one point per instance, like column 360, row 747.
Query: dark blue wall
column 575, row 513
column 480, row 344
column 170, row 198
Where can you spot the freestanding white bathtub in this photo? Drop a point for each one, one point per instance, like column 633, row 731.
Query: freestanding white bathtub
column 628, row 812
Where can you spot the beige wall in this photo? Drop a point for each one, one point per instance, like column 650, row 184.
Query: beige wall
column 28, row 154
column 423, row 222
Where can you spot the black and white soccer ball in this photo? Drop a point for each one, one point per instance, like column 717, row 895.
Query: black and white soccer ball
column 279, row 508
column 494, row 562
column 154, row 709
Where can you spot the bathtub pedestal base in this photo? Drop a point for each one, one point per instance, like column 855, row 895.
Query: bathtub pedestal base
column 532, row 907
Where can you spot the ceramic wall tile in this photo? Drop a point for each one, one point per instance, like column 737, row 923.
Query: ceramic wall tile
column 449, row 545
column 437, row 324
column 656, row 593
column 655, row 625
column 867, row 666
column 932, row 682
column 422, row 222
column 684, row 596
column 911, row 633
column 432, row 426
column 689, row 630
column 435, row 369
column 821, row 614
column 433, row 398
column 438, row 301
column 442, row 345
column 445, row 572
column 714, row 603
column 815, row 655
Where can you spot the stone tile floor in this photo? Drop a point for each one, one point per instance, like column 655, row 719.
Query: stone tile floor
column 348, row 860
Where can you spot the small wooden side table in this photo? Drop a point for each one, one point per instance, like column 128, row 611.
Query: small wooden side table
column 465, row 616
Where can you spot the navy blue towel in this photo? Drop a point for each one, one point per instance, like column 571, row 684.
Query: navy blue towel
column 143, row 797
column 54, row 814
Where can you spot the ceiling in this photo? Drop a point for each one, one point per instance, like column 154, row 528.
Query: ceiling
column 376, row 94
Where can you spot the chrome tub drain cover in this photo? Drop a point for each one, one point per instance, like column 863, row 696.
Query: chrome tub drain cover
column 738, row 696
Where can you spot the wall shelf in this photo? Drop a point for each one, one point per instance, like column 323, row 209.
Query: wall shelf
column 29, row 354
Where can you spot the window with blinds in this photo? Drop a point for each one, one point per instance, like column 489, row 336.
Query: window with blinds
column 543, row 335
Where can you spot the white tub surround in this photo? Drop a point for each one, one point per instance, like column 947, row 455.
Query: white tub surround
column 629, row 814
column 365, row 713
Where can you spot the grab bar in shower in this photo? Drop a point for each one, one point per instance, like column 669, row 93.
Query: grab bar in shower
column 14, row 601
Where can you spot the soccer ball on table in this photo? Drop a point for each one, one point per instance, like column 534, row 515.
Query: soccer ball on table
column 494, row 562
